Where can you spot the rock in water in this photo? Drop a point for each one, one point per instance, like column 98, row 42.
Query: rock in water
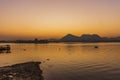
column 24, row 71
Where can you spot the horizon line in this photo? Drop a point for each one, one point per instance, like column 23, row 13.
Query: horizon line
column 56, row 38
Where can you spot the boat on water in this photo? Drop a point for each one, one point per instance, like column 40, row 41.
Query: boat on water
column 96, row 46
column 4, row 47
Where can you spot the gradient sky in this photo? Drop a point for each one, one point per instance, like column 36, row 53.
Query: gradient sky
column 28, row 19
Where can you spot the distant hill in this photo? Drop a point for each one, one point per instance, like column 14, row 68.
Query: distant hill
column 88, row 38
column 70, row 38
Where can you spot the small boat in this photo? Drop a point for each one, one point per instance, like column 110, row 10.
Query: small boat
column 6, row 47
column 96, row 47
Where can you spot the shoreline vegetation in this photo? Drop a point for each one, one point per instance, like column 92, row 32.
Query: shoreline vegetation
column 22, row 71
column 68, row 38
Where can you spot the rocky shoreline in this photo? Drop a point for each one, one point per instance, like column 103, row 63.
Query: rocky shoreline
column 23, row 71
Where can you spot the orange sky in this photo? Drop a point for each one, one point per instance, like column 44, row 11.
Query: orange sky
column 27, row 19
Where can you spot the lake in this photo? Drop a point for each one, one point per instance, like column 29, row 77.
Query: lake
column 69, row 61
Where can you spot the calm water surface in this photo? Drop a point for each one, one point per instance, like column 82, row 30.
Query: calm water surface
column 78, row 61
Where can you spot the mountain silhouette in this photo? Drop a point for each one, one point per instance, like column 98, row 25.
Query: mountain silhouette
column 90, row 38
column 69, row 38
column 83, row 38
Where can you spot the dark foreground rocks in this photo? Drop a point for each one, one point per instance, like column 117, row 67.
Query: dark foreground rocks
column 24, row 71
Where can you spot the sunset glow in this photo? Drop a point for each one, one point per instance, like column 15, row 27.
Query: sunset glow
column 28, row 19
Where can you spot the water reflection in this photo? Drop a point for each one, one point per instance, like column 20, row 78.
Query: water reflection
column 70, row 61
column 70, row 49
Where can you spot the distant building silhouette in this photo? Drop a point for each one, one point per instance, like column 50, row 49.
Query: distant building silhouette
column 36, row 40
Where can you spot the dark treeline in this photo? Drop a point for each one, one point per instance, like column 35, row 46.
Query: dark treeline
column 25, row 41
column 69, row 38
